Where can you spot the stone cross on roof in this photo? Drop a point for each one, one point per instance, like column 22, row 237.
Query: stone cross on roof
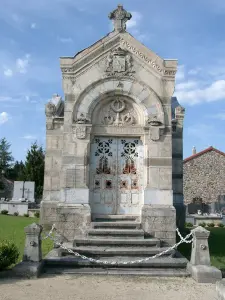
column 120, row 16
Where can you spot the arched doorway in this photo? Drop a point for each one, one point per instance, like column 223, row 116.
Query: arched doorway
column 116, row 158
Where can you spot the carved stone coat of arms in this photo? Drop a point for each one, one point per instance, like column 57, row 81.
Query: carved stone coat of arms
column 80, row 132
column 119, row 62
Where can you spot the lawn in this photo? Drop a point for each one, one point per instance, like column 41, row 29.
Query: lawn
column 216, row 247
column 12, row 229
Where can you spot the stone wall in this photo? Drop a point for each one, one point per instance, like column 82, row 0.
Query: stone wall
column 204, row 177
column 14, row 207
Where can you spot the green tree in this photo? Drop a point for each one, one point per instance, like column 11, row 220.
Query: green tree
column 17, row 171
column 34, row 168
column 6, row 157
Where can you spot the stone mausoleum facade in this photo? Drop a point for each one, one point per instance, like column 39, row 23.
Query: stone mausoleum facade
column 114, row 145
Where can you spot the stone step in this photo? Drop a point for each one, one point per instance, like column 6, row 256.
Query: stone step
column 93, row 251
column 118, row 225
column 164, row 262
column 115, row 218
column 116, row 233
column 118, row 271
column 151, row 242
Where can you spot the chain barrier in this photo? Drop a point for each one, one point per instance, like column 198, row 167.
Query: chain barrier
column 49, row 234
column 182, row 240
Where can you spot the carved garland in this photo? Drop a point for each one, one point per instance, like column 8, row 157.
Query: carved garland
column 148, row 60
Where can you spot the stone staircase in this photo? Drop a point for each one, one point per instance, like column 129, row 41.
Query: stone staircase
column 120, row 239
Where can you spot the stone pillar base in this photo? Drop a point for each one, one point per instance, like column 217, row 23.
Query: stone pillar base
column 204, row 274
column 220, row 289
column 48, row 214
column 160, row 221
column 73, row 220
column 24, row 269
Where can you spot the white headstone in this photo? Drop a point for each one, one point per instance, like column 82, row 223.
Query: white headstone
column 24, row 190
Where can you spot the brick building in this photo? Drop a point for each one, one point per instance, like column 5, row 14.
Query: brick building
column 204, row 176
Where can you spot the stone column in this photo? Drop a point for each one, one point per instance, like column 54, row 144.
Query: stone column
column 73, row 210
column 200, row 265
column 158, row 213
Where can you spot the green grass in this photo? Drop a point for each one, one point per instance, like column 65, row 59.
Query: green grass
column 216, row 247
column 12, row 229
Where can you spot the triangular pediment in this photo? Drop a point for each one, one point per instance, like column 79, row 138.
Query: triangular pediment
column 125, row 41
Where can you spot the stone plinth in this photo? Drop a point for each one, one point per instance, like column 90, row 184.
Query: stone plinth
column 73, row 220
column 220, row 289
column 32, row 250
column 160, row 221
column 32, row 263
column 200, row 265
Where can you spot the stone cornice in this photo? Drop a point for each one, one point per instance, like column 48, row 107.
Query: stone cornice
column 74, row 65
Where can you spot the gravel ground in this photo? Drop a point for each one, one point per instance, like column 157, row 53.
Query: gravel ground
column 105, row 288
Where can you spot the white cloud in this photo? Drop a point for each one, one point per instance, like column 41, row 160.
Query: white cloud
column 33, row 25
column 5, row 98
column 8, row 72
column 180, row 73
column 133, row 26
column 29, row 137
column 138, row 35
column 4, row 117
column 16, row 18
column 213, row 92
column 65, row 40
column 195, row 71
column 186, row 85
column 135, row 20
column 219, row 116
column 22, row 64
column 12, row 66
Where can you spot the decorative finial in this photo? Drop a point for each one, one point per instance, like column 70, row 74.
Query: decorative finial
column 120, row 16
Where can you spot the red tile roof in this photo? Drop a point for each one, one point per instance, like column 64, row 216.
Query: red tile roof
column 203, row 152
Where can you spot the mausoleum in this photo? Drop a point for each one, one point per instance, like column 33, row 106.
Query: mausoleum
column 114, row 145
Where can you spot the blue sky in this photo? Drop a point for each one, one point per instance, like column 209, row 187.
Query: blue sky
column 34, row 34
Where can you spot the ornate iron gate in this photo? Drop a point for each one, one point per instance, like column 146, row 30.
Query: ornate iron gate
column 116, row 176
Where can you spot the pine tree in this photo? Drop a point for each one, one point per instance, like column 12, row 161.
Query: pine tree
column 34, row 168
column 17, row 171
column 6, row 157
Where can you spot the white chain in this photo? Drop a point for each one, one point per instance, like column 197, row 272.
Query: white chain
column 49, row 235
column 182, row 240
